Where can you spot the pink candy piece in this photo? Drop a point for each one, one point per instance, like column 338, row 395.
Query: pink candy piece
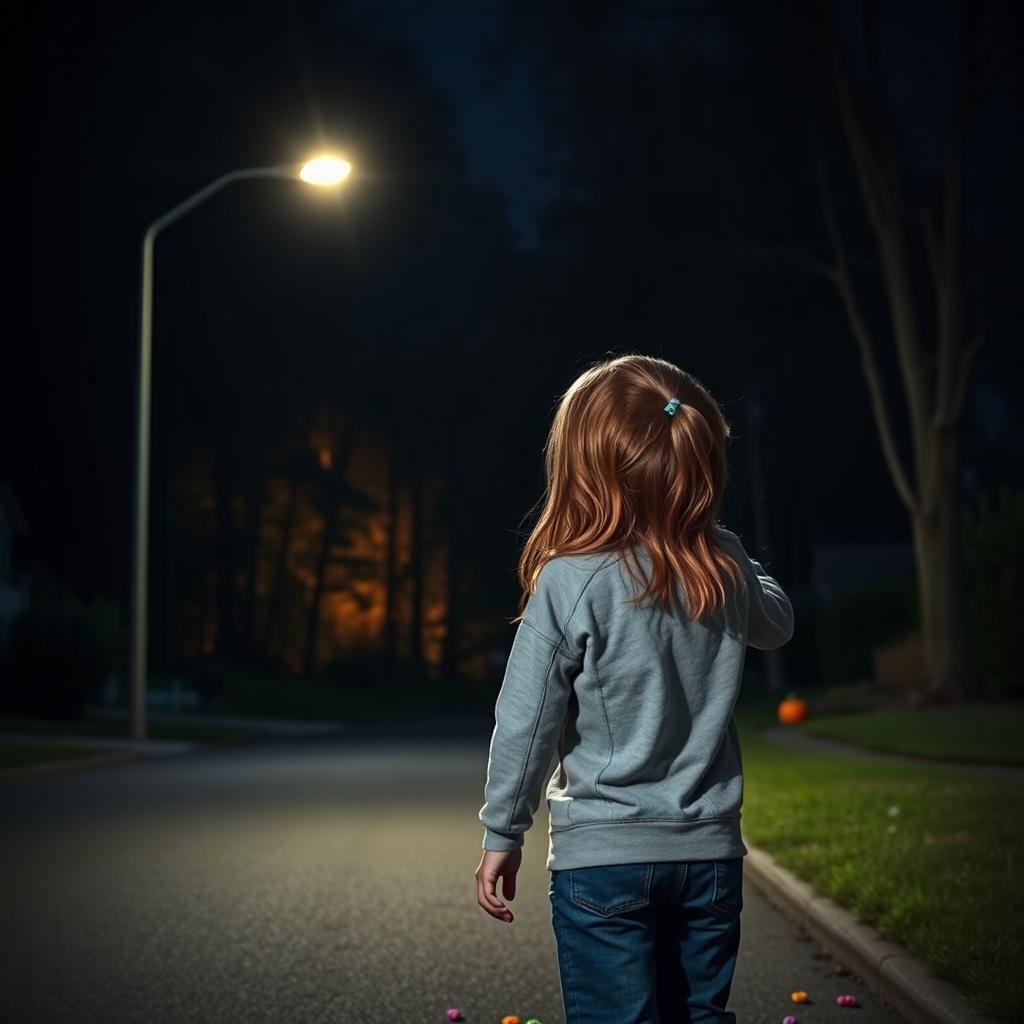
column 454, row 1014
column 846, row 1000
column 789, row 1019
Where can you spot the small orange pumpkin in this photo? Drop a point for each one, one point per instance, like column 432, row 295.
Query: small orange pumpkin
column 792, row 710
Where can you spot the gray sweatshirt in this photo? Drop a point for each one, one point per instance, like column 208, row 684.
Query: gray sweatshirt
column 626, row 713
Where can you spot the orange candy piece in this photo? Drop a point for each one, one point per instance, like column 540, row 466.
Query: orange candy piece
column 511, row 1019
column 800, row 996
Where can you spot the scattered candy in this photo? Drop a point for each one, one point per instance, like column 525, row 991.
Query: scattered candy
column 846, row 1000
column 789, row 1019
column 454, row 1014
column 800, row 996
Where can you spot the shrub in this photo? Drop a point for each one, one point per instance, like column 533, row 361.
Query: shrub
column 60, row 650
column 367, row 669
column 862, row 619
column 208, row 674
column 994, row 555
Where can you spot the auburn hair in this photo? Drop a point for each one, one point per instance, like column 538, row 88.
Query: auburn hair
column 622, row 472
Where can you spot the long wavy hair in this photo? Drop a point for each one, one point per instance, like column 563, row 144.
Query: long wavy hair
column 621, row 473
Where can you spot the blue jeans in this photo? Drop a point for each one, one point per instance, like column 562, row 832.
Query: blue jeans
column 651, row 943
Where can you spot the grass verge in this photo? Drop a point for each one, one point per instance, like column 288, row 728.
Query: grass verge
column 928, row 856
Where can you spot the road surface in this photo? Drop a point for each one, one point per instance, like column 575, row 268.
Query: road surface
column 305, row 880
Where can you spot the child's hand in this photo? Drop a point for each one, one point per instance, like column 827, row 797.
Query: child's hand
column 495, row 865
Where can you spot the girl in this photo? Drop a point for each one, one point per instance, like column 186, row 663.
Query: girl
column 622, row 700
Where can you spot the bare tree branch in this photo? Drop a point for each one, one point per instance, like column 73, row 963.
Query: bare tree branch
column 999, row 40
column 872, row 177
column 967, row 356
column 882, row 197
column 841, row 276
column 879, row 114
column 931, row 247
column 952, row 357
column 780, row 255
column 649, row 12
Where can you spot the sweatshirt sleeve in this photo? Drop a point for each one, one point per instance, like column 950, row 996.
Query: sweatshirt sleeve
column 771, row 614
column 545, row 657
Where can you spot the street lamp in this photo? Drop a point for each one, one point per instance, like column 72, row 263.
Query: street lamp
column 324, row 171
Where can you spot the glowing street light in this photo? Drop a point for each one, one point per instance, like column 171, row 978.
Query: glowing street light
column 322, row 171
column 325, row 170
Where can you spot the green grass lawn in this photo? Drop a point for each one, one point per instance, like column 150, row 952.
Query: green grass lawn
column 926, row 855
column 13, row 755
column 970, row 733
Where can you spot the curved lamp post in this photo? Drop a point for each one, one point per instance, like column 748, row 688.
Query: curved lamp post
column 322, row 171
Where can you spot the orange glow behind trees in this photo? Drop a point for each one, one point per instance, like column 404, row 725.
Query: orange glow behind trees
column 352, row 614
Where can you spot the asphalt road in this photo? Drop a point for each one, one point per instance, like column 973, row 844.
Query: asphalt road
column 317, row 880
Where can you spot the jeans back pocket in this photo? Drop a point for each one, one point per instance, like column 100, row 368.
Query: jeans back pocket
column 611, row 888
column 728, row 895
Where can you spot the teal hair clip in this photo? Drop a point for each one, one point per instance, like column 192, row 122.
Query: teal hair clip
column 673, row 404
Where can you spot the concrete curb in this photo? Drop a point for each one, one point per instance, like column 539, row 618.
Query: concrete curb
column 887, row 968
column 49, row 739
column 278, row 727
column 109, row 750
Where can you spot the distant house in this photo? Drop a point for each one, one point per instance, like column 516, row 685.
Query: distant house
column 13, row 591
column 838, row 568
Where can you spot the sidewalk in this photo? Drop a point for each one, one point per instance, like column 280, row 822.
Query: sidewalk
column 50, row 739
column 269, row 726
column 787, row 736
column 122, row 748
column 886, row 967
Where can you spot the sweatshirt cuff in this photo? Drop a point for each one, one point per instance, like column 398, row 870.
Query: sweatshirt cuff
column 502, row 842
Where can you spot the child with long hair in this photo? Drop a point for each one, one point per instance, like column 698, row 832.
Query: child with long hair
column 621, row 700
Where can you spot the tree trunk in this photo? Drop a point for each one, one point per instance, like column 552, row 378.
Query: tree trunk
column 416, row 619
column 330, row 514
column 934, row 388
column 392, row 584
column 330, row 490
column 941, row 579
column 453, row 633
column 280, row 572
column 224, row 489
column 253, row 510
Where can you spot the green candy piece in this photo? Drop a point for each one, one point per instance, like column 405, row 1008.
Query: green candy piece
column 533, row 1020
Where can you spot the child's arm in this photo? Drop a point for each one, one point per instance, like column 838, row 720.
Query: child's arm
column 770, row 623
column 771, row 613
column 531, row 706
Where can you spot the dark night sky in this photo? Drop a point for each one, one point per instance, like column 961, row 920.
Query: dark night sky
column 500, row 117
column 499, row 122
